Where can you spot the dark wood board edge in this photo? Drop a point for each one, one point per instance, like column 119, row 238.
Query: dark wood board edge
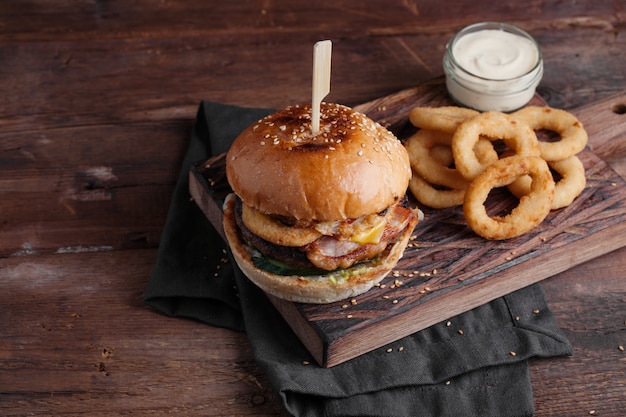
column 208, row 199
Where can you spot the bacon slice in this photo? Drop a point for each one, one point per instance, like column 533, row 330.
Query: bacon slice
column 330, row 253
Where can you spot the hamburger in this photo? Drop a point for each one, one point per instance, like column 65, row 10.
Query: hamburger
column 316, row 218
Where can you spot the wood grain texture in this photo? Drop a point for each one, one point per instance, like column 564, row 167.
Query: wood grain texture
column 117, row 84
column 91, row 347
column 98, row 100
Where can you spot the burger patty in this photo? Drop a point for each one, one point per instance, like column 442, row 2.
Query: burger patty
column 328, row 252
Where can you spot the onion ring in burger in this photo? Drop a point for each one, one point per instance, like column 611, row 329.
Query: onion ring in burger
column 273, row 230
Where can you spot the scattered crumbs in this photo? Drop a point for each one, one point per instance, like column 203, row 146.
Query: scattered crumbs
column 460, row 331
column 427, row 288
column 543, row 238
column 434, row 271
column 353, row 301
column 349, row 316
column 613, row 184
column 401, row 348
column 536, row 311
column 102, row 368
column 512, row 353
column 385, row 297
column 592, row 412
column 382, row 286
column 422, row 291
column 395, row 301
column 389, row 350
column 448, row 382
column 516, row 318
column 620, row 348
column 75, row 315
column 448, row 324
column 460, row 279
column 344, row 306
column 306, row 363
column 508, row 258
column 106, row 353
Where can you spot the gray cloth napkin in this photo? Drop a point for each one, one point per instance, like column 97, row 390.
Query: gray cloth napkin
column 435, row 372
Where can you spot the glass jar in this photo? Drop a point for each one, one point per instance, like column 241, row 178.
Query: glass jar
column 492, row 66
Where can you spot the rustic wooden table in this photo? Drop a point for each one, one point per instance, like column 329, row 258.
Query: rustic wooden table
column 98, row 102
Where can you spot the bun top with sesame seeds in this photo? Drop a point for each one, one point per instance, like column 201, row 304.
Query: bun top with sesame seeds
column 351, row 168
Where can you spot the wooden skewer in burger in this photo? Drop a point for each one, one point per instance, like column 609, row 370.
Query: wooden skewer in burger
column 318, row 215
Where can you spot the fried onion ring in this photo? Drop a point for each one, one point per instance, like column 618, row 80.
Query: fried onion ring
column 432, row 197
column 442, row 154
column 426, row 153
column 494, row 125
column 571, row 184
column 445, row 118
column 532, row 208
column 573, row 135
column 274, row 231
column 419, row 147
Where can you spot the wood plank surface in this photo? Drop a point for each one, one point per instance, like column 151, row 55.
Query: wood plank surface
column 98, row 103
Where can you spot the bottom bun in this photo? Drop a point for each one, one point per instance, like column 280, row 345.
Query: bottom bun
column 320, row 289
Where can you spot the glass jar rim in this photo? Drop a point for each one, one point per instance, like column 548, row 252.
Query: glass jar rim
column 506, row 27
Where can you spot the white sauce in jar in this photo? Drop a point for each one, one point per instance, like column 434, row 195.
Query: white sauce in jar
column 492, row 66
column 495, row 54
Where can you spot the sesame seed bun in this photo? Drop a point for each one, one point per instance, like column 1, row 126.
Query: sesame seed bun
column 352, row 167
column 326, row 205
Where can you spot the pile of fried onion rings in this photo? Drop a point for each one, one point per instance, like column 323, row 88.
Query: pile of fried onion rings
column 459, row 155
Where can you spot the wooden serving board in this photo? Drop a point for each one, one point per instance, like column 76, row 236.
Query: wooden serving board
column 447, row 269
